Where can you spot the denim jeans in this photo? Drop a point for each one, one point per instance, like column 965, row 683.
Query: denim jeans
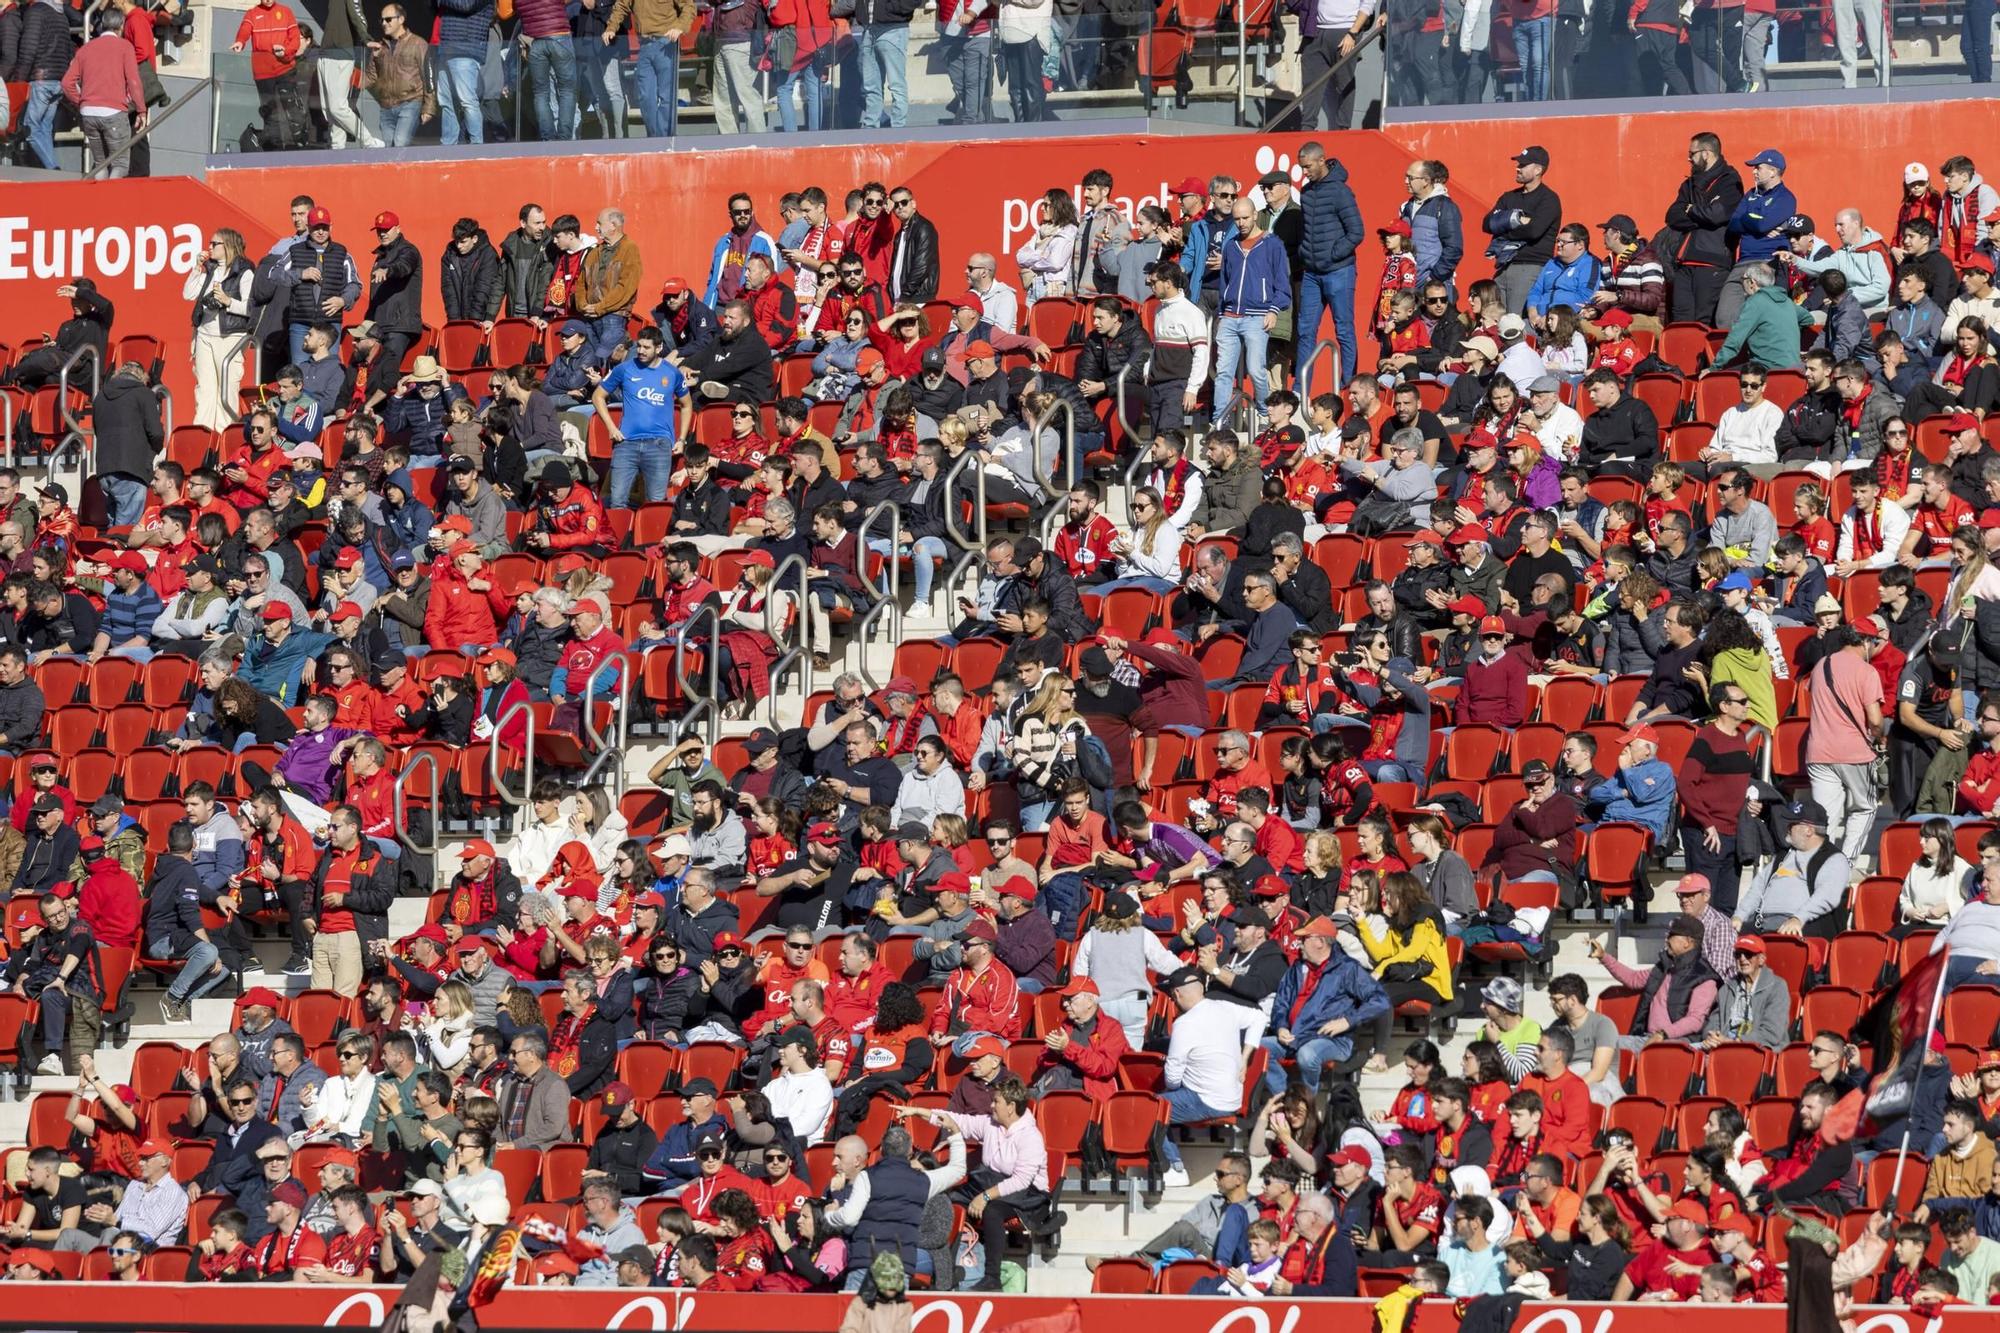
column 925, row 553
column 813, row 83
column 1975, row 40
column 194, row 980
column 295, row 341
column 126, row 496
column 884, row 50
column 458, row 101
column 1327, row 291
column 606, row 332
column 1184, row 1108
column 1531, row 43
column 630, row 458
column 399, row 123
column 968, row 62
column 38, row 121
column 552, row 76
column 600, row 85
column 1245, row 336
column 1310, row 1055
column 659, row 80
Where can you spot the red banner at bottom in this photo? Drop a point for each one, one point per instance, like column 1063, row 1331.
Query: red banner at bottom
column 176, row 1306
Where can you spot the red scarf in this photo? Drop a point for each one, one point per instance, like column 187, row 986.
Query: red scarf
column 1852, row 411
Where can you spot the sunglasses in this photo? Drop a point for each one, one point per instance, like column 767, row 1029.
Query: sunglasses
column 122, row 1253
column 243, row 1101
column 728, row 953
column 772, row 1157
column 798, row 944
column 740, row 212
column 709, row 1154
column 267, row 1160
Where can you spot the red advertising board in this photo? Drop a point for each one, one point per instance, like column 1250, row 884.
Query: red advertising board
column 180, row 1306
column 138, row 239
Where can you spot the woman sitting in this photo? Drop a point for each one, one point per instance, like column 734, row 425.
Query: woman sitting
column 1408, row 953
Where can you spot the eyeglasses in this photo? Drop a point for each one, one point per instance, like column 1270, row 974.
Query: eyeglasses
column 243, row 1101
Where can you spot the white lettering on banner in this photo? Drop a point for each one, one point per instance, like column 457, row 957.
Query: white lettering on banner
column 368, row 1302
column 1568, row 1321
column 46, row 254
column 1883, row 1323
column 653, row 1306
column 954, row 1316
column 1257, row 1318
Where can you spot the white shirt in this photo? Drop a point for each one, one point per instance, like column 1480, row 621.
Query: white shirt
column 1560, row 433
column 1206, row 1049
column 806, row 1100
column 535, row 847
column 1894, row 522
column 341, row 1106
column 923, row 799
column 1523, row 365
column 1749, row 434
column 1002, row 306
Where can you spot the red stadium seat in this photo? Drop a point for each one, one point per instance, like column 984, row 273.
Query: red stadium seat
column 1735, row 1070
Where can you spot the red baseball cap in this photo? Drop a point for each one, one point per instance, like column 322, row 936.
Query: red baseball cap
column 1271, row 886
column 673, row 286
column 1642, row 732
column 319, row 217
column 1868, row 627
column 276, row 611
column 956, row 881
column 1467, row 605
column 554, row 1263
column 156, row 1148
column 1690, row 1211
column 347, row 611
column 823, row 834
column 728, row 939
column 764, row 558
column 987, row 1046
column 1747, row 943
column 349, row 558
column 1018, row 887
column 1469, row 532
column 1979, row 260
column 970, row 300
column 263, row 995
column 340, row 1157
column 1192, row 185
column 1349, row 1157
column 476, row 847
column 979, row 349
column 867, row 360
column 1319, row 925
column 131, row 560
column 385, row 220
column 1959, row 421
column 1081, row 986
column 1492, row 625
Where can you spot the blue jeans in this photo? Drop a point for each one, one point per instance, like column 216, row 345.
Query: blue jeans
column 1531, row 43
column 1977, row 40
column 606, row 332
column 194, row 980
column 1327, row 291
column 399, row 123
column 458, row 100
column 1310, row 1055
column 968, row 63
column 925, row 553
column 600, row 84
column 1184, row 1108
column 295, row 342
column 629, row 458
column 1245, row 336
column 126, row 496
column 659, row 80
column 811, row 79
column 38, row 120
column 552, row 75
column 1963, row 970
column 885, row 58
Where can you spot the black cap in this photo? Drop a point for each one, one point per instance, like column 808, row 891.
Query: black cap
column 556, row 474
column 462, row 466
column 1686, row 926
column 1806, row 812
column 1250, row 916
column 1120, row 906
column 1622, row 224
column 636, row 1254
column 1798, row 224
column 1096, row 662
column 760, row 740
column 207, row 564
column 911, row 831
column 801, row 1037
column 1534, row 153
column 107, row 805
column 712, row 1141
column 933, row 360
column 697, row 1087
column 1026, row 549
column 1534, row 770
column 1186, row 976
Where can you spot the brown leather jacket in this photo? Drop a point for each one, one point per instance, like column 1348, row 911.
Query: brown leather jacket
column 400, row 72
column 610, row 278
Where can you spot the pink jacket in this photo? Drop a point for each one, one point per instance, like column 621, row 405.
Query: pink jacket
column 104, row 72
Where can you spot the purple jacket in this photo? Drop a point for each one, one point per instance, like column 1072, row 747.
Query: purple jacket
column 543, row 18
column 307, row 763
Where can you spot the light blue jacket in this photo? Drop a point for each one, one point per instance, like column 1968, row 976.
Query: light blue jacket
column 1571, row 284
column 1641, row 794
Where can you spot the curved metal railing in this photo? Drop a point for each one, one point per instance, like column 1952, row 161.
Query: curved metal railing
column 400, row 799
column 1066, row 442
column 800, row 655
column 950, row 481
column 7, row 425
column 1303, row 372
column 610, row 749
column 888, row 601
column 62, row 385
column 704, row 709
column 1145, row 369
column 500, row 724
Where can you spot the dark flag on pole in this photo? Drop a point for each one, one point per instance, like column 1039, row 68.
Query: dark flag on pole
column 1897, row 1027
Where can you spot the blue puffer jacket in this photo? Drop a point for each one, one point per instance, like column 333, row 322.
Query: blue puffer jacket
column 1194, row 252
column 1346, row 990
column 1641, row 794
column 1332, row 228
column 1571, row 284
column 462, row 28
column 1437, row 237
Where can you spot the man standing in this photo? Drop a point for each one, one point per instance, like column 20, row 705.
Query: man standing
column 102, row 84
column 1846, row 696
column 913, row 254
column 1256, row 285
column 608, row 284
column 1437, row 228
column 1101, row 233
column 659, row 24
column 1701, row 214
column 1180, row 351
column 1523, row 226
column 1329, row 236
column 651, row 393
column 1329, row 30
column 1714, row 778
column 395, row 291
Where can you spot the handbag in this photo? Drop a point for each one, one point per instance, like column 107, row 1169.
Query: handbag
column 1402, row 974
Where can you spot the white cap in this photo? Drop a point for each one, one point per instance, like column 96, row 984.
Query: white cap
column 427, row 1186
column 1916, row 171
column 675, row 844
column 489, row 1211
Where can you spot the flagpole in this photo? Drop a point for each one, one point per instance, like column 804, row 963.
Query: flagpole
column 1930, row 1027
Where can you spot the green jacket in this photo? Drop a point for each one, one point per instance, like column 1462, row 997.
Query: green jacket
column 1767, row 330
column 128, row 844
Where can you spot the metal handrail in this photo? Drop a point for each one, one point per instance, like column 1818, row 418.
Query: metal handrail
column 861, row 549
column 166, row 399
column 1374, row 34
column 437, row 786
column 154, row 122
column 528, row 755
column 1067, row 442
column 703, row 709
column 800, row 654
column 1137, row 468
column 970, row 455
column 1305, row 365
column 62, row 385
column 623, row 666
column 7, row 424
column 1118, row 393
column 971, row 560
column 86, row 458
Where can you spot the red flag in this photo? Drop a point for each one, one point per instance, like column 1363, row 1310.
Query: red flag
column 496, row 1266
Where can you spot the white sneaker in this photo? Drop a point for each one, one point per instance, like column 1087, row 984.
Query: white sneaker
column 1175, row 1178
column 252, row 965
column 51, row 1064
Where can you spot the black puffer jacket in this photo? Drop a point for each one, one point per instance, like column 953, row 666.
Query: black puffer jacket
column 396, row 287
column 126, row 417
column 45, row 47
column 471, row 284
column 1699, row 217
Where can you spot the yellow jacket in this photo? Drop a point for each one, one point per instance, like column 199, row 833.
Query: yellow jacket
column 1392, row 1312
column 1424, row 944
